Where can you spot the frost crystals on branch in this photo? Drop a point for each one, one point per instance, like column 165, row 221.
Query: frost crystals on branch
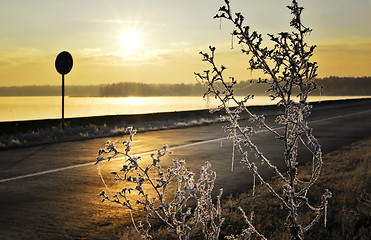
column 288, row 69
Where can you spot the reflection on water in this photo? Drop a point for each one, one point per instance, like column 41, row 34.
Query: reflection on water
column 29, row 108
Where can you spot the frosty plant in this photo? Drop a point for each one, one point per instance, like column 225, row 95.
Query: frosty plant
column 289, row 74
column 175, row 210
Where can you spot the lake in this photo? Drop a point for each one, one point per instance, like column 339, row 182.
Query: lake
column 32, row 108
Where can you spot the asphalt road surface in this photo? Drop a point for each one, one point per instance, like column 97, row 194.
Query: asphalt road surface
column 50, row 191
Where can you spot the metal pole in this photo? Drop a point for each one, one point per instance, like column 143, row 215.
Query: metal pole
column 62, row 122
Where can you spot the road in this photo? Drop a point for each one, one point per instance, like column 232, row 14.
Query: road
column 50, row 191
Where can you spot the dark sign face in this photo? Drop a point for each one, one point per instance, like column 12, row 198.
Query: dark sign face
column 64, row 63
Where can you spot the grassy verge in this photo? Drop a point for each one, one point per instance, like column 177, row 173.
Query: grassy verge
column 345, row 173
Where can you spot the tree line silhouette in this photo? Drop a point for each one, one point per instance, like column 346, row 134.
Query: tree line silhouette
column 127, row 89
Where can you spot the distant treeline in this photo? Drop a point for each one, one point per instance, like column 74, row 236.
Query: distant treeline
column 73, row 91
column 342, row 86
column 333, row 86
column 126, row 89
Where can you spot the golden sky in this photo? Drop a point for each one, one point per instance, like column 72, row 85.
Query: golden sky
column 158, row 41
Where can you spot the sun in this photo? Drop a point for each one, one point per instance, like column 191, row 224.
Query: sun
column 131, row 40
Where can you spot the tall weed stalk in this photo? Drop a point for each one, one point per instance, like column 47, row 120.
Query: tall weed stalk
column 288, row 69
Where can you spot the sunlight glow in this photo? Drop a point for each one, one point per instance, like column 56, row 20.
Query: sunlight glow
column 134, row 100
column 131, row 39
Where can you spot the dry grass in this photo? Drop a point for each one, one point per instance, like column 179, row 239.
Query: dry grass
column 345, row 172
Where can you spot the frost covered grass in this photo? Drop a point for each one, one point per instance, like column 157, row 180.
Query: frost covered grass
column 54, row 134
column 346, row 171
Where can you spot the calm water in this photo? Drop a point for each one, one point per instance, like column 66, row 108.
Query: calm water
column 29, row 108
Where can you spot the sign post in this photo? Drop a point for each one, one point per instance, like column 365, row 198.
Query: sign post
column 63, row 64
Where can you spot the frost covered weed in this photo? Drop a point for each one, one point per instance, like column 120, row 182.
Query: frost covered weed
column 180, row 217
column 289, row 70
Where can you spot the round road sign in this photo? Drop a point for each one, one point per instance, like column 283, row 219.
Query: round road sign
column 64, row 62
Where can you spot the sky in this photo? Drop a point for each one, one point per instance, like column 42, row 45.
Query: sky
column 158, row 41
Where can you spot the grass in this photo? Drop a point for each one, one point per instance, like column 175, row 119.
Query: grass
column 345, row 173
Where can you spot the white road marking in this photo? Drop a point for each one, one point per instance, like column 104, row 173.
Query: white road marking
column 45, row 172
column 171, row 148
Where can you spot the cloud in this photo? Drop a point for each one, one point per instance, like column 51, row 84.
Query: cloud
column 97, row 56
column 126, row 22
column 22, row 56
column 348, row 48
column 136, row 58
column 115, row 21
